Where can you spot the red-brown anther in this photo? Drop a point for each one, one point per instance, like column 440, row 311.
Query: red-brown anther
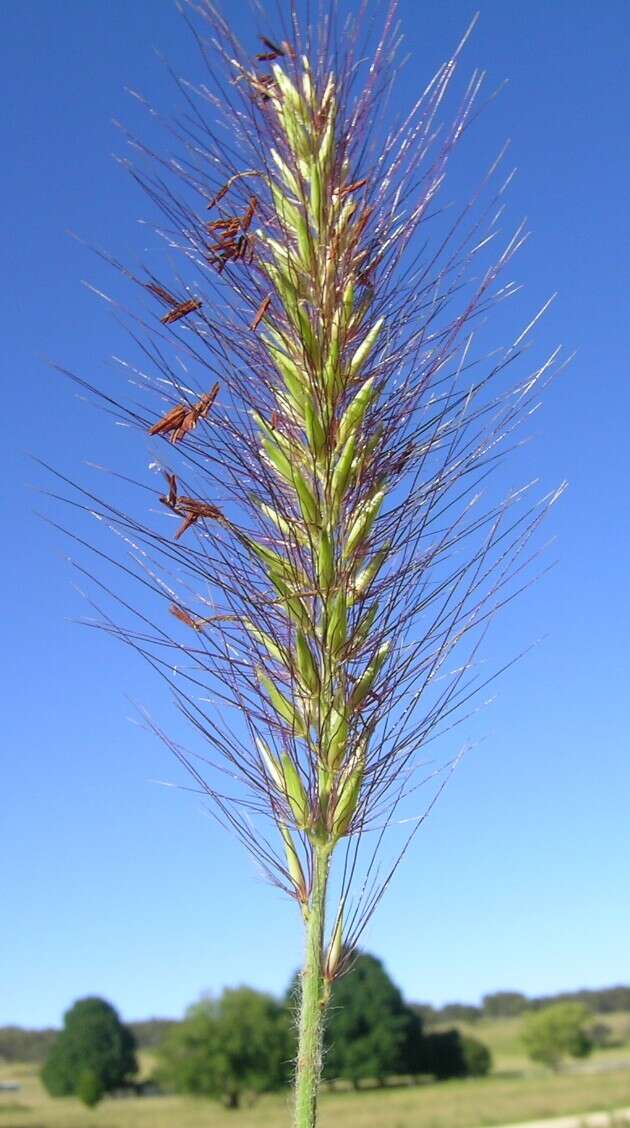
column 224, row 245
column 276, row 420
column 207, row 400
column 171, row 498
column 223, row 225
column 249, row 214
column 230, row 245
column 171, row 421
column 219, row 196
column 195, row 413
column 269, row 56
column 182, row 419
column 351, row 188
column 181, row 311
column 260, row 313
column 193, row 510
column 183, row 616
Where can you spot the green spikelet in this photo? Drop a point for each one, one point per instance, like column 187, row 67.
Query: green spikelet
column 272, row 766
column 335, row 948
column 294, row 865
column 278, row 459
column 306, row 497
column 316, row 193
column 362, row 525
column 331, row 368
column 353, row 415
column 313, row 426
column 367, row 679
column 342, row 471
column 272, row 647
column 337, row 623
column 346, row 804
column 348, row 303
column 306, row 665
column 280, row 571
column 337, row 732
column 294, row 604
column 328, row 142
column 365, row 349
column 287, row 175
column 290, row 374
column 291, row 530
column 284, row 708
column 295, row 793
column 365, row 578
column 326, row 560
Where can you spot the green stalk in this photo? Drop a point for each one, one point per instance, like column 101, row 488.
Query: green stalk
column 313, row 1000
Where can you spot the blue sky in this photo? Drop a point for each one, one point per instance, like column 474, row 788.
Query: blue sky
column 114, row 885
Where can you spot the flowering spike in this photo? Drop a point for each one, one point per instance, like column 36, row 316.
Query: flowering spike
column 336, row 495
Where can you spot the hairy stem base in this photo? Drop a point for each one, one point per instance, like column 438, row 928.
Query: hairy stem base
column 312, row 1001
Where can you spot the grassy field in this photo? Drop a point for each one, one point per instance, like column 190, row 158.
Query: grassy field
column 502, row 1036
column 516, row 1092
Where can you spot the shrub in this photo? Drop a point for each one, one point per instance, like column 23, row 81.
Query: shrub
column 477, row 1057
column 443, row 1055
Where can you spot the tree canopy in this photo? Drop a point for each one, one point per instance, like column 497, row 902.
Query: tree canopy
column 93, row 1040
column 370, row 1028
column 227, row 1047
column 550, row 1034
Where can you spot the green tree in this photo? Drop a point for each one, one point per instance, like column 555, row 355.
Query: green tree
column 477, row 1057
column 550, row 1034
column 228, row 1047
column 371, row 1031
column 93, row 1039
column 90, row 1088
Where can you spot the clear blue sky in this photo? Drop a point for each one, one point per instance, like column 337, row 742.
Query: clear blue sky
column 113, row 885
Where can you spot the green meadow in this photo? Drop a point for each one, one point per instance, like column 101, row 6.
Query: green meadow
column 515, row 1091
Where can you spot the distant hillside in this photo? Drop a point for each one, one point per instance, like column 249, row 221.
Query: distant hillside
column 19, row 1044
column 150, row 1031
column 508, row 1004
